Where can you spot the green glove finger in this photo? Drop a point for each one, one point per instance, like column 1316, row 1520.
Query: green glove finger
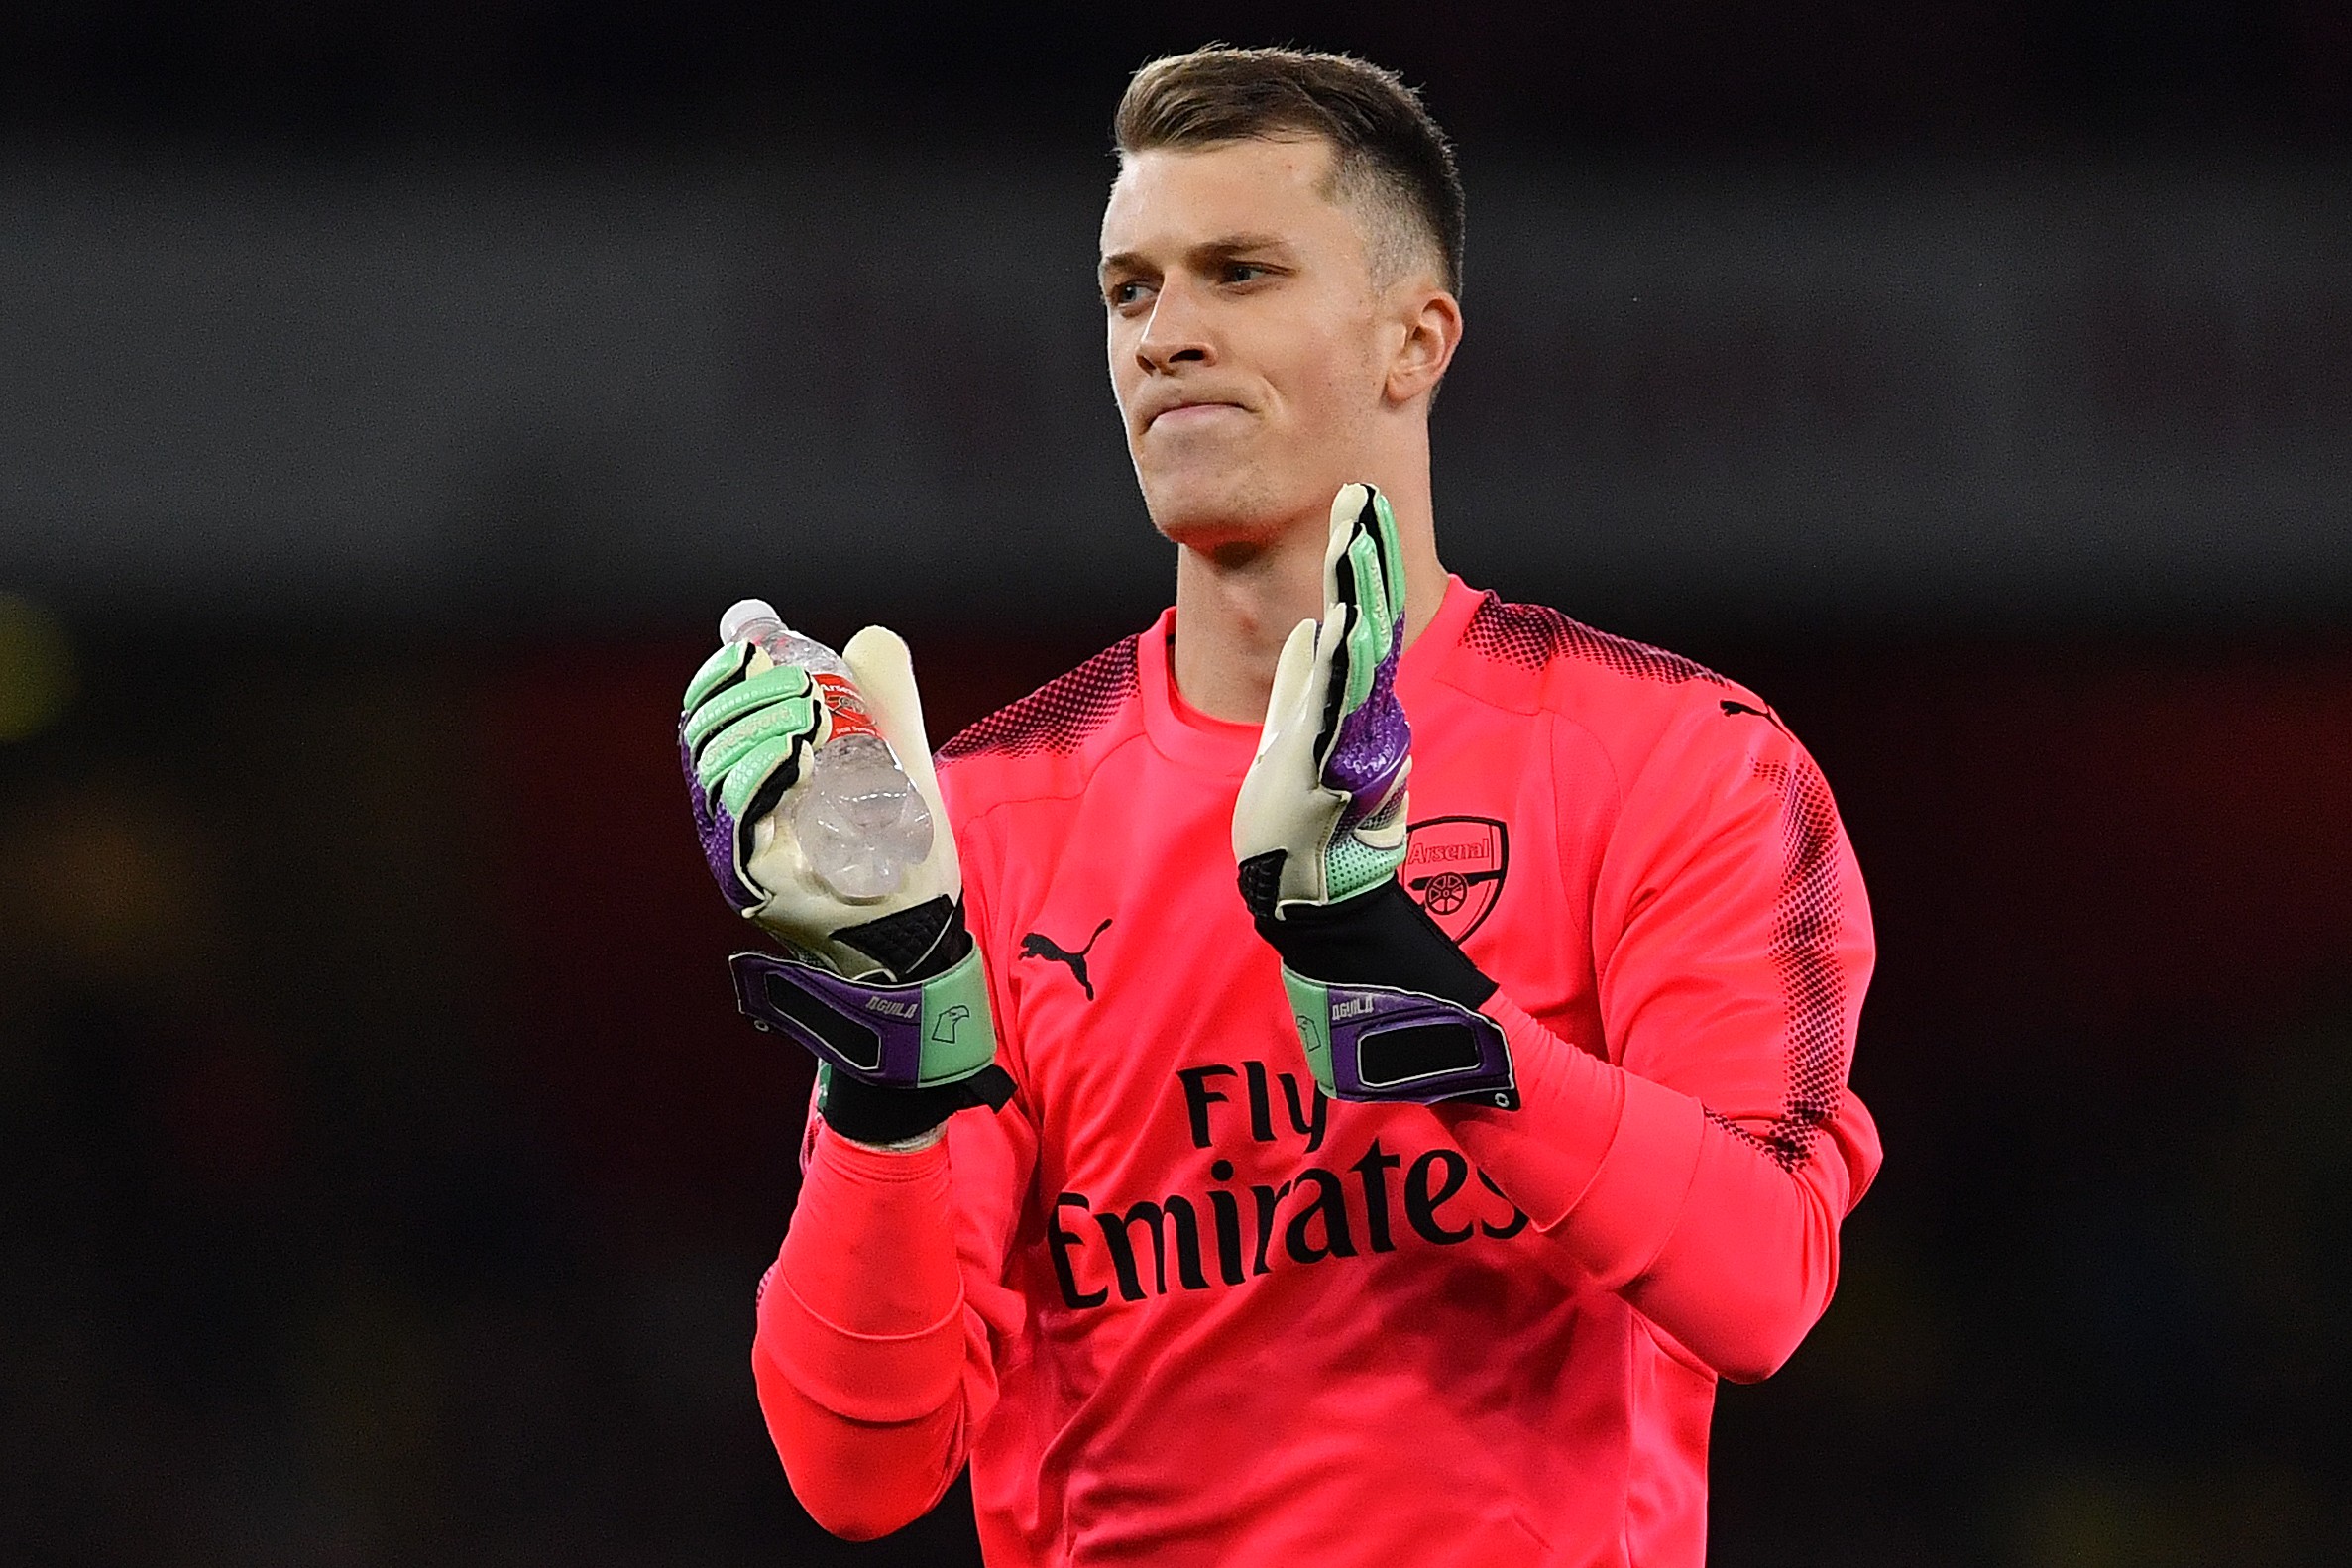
column 1373, row 587
column 795, row 721
column 724, row 667
column 1389, row 552
column 741, row 793
column 1392, row 556
column 1368, row 619
column 784, row 685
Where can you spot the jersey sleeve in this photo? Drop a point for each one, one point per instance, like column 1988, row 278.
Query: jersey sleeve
column 1701, row 1158
column 879, row 1323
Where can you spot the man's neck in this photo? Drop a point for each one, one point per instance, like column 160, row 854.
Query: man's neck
column 1236, row 605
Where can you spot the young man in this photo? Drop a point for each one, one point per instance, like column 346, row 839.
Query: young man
column 1369, row 1057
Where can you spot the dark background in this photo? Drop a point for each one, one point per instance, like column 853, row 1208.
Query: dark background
column 391, row 395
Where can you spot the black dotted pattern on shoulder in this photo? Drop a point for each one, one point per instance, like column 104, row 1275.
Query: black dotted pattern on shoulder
column 1805, row 923
column 1532, row 635
column 1059, row 714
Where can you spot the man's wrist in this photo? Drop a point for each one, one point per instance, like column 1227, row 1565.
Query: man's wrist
column 1387, row 1006
column 899, row 1050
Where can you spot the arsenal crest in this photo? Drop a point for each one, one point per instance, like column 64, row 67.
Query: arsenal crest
column 1454, row 865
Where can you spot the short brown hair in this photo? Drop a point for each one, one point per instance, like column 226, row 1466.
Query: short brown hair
column 1386, row 150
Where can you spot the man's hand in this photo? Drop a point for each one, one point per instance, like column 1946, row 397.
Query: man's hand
column 1321, row 813
column 1384, row 1003
column 888, row 994
column 749, row 732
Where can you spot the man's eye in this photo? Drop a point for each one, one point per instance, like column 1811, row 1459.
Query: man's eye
column 1243, row 272
column 1121, row 295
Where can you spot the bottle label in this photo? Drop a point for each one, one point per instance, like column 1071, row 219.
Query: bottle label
column 849, row 713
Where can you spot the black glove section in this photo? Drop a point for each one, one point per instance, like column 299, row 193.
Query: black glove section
column 1383, row 937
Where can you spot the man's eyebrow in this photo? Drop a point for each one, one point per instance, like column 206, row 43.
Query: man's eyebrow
column 1235, row 244
column 1218, row 249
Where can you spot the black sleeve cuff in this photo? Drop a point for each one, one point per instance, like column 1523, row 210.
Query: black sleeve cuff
column 873, row 1115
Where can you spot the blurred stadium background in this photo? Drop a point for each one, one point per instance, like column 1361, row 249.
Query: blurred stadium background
column 391, row 395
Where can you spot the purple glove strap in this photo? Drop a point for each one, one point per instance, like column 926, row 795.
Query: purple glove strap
column 1475, row 1057
column 873, row 1033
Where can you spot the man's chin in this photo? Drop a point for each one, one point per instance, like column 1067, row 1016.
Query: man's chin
column 1203, row 516
column 1213, row 527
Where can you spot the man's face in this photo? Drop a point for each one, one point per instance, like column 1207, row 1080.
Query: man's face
column 1247, row 347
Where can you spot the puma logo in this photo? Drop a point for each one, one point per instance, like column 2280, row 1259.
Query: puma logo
column 1038, row 946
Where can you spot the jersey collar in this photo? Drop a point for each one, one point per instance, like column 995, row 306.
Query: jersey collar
column 1192, row 738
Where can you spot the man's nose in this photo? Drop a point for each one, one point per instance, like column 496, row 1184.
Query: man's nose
column 1173, row 334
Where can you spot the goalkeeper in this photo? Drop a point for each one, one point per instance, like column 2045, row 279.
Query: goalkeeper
column 1369, row 1057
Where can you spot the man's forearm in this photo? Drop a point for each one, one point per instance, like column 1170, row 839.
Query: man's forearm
column 1695, row 1225
column 861, row 1340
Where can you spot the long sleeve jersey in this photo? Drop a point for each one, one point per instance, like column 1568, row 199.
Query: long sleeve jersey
column 1175, row 1307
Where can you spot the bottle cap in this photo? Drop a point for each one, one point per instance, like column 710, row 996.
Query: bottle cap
column 743, row 615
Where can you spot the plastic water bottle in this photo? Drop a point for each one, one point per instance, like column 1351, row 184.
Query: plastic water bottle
column 858, row 819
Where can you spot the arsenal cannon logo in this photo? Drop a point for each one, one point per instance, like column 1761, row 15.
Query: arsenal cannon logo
column 1454, row 865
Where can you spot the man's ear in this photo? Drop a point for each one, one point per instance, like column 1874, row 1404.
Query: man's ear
column 1432, row 323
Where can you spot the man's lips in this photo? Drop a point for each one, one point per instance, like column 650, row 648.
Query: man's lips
column 1189, row 413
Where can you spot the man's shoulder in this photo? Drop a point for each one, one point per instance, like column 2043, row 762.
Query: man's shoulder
column 1046, row 743
column 1649, row 712
column 1534, row 658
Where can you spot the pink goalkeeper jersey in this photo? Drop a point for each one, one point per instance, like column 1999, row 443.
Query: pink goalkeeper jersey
column 1176, row 1308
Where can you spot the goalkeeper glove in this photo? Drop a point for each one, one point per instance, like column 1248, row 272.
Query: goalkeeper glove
column 888, row 994
column 1386, row 1005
